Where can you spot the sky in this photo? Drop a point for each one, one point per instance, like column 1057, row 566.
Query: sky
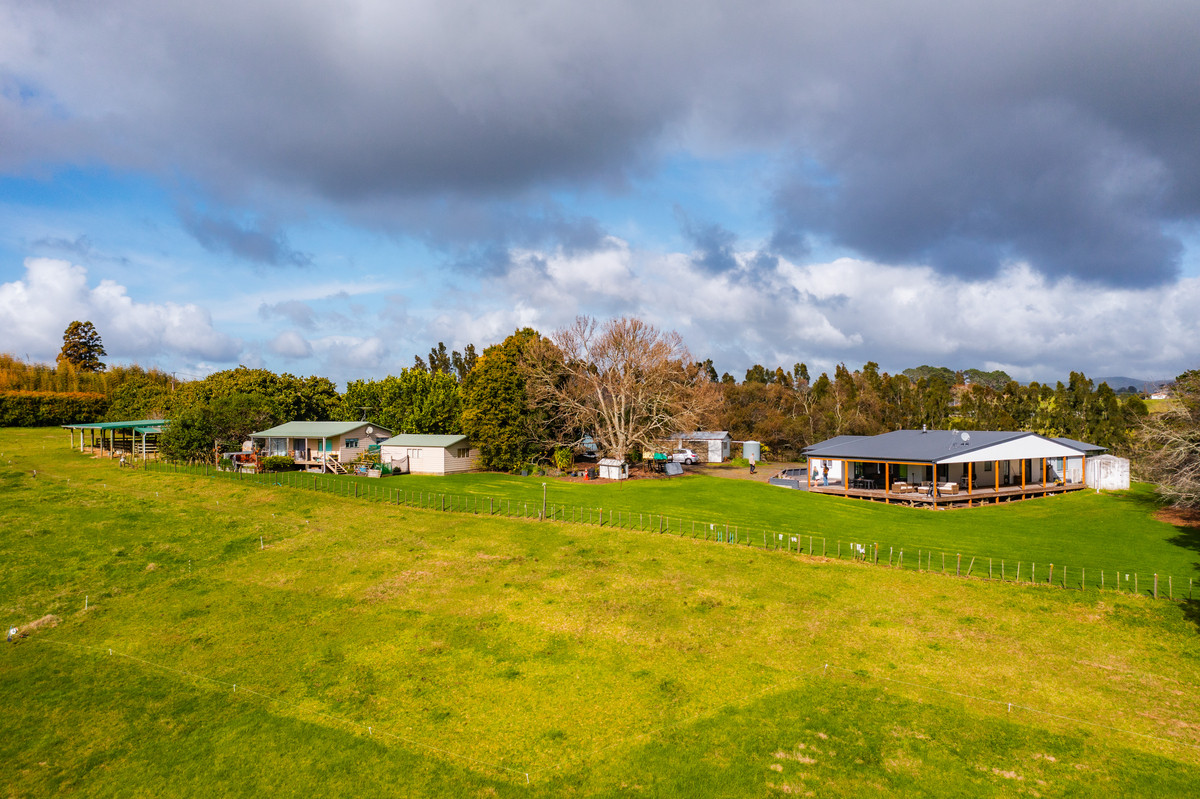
column 334, row 187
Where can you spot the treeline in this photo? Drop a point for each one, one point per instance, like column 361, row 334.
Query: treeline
column 488, row 397
column 787, row 413
column 44, row 408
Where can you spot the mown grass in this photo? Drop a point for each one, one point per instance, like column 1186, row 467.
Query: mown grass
column 599, row 662
column 1091, row 535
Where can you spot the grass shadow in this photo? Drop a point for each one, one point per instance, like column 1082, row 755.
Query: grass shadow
column 1191, row 612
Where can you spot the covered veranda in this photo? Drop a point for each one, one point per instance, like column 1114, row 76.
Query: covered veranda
column 138, row 437
column 939, row 468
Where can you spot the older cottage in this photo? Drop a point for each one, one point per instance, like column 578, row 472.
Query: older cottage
column 326, row 446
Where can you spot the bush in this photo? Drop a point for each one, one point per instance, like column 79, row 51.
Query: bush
column 46, row 408
column 564, row 459
column 277, row 463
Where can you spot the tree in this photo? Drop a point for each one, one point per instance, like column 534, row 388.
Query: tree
column 82, row 348
column 496, row 413
column 624, row 382
column 201, row 430
column 414, row 401
column 1169, row 445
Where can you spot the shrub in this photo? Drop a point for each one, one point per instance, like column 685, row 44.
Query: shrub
column 564, row 459
column 45, row 408
column 277, row 463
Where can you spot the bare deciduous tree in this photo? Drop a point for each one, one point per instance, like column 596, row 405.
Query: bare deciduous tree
column 1169, row 445
column 623, row 382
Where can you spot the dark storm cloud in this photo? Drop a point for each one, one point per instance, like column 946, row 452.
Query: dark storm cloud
column 245, row 240
column 960, row 135
column 712, row 245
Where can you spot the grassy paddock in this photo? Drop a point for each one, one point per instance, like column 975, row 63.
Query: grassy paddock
column 383, row 649
column 1085, row 535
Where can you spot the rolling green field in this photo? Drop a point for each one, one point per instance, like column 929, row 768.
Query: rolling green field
column 1089, row 534
column 387, row 650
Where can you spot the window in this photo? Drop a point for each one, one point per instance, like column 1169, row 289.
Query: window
column 462, row 452
column 414, row 454
column 351, row 443
column 987, row 466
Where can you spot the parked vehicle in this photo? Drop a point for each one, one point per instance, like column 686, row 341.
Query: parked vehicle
column 685, row 456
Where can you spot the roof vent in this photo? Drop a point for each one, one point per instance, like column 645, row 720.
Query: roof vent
column 924, row 428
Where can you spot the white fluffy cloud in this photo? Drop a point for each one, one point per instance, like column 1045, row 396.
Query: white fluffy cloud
column 854, row 311
column 36, row 310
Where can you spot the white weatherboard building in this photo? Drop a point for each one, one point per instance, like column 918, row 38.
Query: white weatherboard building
column 711, row 446
column 415, row 453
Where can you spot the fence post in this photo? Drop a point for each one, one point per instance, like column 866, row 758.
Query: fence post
column 958, row 566
column 1050, row 579
column 1156, row 585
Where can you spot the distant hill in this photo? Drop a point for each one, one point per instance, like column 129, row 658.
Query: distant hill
column 1141, row 384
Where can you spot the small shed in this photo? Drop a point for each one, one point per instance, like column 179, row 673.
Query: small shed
column 1108, row 473
column 711, row 446
column 613, row 469
column 428, row 454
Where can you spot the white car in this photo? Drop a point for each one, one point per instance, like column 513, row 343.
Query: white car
column 685, row 456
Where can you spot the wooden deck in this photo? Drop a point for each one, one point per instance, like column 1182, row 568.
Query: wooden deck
column 962, row 499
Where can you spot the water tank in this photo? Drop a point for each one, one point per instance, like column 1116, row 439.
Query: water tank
column 752, row 451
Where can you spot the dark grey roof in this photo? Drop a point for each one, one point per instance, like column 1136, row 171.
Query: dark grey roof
column 1082, row 446
column 832, row 442
column 911, row 445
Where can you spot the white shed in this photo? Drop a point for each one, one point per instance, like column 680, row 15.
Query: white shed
column 428, row 454
column 712, row 446
column 1108, row 472
column 613, row 469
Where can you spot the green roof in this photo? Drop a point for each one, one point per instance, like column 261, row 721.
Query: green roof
column 150, row 425
column 423, row 440
column 315, row 429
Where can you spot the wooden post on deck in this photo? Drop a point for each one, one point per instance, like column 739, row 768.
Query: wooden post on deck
column 887, row 478
column 970, row 478
column 996, row 474
column 845, row 479
column 1043, row 472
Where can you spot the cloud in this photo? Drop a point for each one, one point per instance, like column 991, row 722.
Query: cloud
column 249, row 240
column 936, row 134
column 37, row 309
column 290, row 344
column 298, row 313
column 850, row 310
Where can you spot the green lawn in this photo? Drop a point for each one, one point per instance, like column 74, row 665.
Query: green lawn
column 385, row 650
column 1091, row 535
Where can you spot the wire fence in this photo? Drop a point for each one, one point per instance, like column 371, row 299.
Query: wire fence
column 809, row 545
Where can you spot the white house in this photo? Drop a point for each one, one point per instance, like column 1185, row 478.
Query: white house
column 711, row 446
column 947, row 466
column 415, row 453
column 326, row 445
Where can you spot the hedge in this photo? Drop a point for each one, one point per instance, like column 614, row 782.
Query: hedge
column 46, row 408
